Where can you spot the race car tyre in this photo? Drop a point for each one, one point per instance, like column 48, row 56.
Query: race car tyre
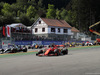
column 2, row 51
column 29, row 47
column 25, row 50
column 65, row 52
column 40, row 52
column 14, row 51
column 56, row 51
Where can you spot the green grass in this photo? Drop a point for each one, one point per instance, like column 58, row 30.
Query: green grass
column 16, row 54
column 83, row 47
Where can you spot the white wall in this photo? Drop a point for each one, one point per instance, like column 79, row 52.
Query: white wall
column 42, row 23
column 40, row 26
column 69, row 32
column 61, row 30
column 75, row 35
column 40, row 30
column 48, row 29
column 86, row 39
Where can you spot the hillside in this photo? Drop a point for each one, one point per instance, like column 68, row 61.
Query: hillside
column 78, row 13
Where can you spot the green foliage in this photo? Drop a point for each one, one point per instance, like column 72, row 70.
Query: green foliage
column 24, row 19
column 1, row 21
column 31, row 11
column 63, row 13
column 85, row 13
column 41, row 12
column 32, row 2
column 8, row 1
column 8, row 18
column 40, row 3
column 68, row 17
column 78, row 13
column 6, row 9
column 58, row 14
column 51, row 13
column 18, row 13
column 1, row 5
column 22, row 1
column 58, row 3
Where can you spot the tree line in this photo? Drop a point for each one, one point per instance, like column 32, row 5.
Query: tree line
column 78, row 13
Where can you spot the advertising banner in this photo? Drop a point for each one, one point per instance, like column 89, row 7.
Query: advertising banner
column 23, row 42
column 37, row 42
column 4, row 44
column 8, row 31
column 43, row 42
column 52, row 42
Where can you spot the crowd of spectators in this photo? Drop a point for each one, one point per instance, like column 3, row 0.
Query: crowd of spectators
column 25, row 35
column 34, row 38
column 20, row 29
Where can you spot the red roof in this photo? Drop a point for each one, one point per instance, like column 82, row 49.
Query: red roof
column 74, row 29
column 56, row 23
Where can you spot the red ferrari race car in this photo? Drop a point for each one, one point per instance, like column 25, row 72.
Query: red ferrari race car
column 54, row 50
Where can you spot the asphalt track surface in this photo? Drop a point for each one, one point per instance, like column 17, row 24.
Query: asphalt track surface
column 79, row 61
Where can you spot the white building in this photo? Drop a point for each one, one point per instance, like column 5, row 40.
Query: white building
column 84, row 37
column 79, row 36
column 52, row 28
column 75, row 34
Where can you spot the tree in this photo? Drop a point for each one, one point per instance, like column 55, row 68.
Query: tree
column 68, row 17
column 1, row 6
column 1, row 21
column 41, row 12
column 22, row 1
column 58, row 14
column 8, row 18
column 32, row 2
column 6, row 9
column 22, row 5
column 40, row 3
column 7, row 1
column 63, row 13
column 80, row 14
column 50, row 11
column 31, row 11
column 24, row 19
column 14, row 9
column 58, row 3
column 41, row 9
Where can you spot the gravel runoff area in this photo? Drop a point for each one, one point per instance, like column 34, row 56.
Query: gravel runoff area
column 79, row 61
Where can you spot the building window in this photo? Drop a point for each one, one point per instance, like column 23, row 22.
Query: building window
column 43, row 29
column 59, row 30
column 39, row 22
column 36, row 29
column 65, row 30
column 52, row 29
